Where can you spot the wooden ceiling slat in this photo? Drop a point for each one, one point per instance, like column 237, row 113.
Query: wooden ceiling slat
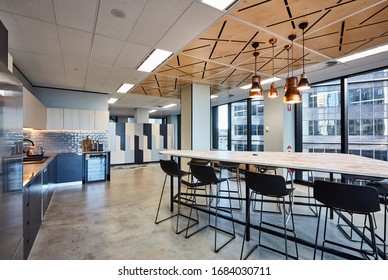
column 373, row 15
column 221, row 56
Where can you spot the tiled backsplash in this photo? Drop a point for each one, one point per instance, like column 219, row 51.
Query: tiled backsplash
column 64, row 141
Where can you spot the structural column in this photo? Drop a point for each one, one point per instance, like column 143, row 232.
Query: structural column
column 142, row 115
column 195, row 118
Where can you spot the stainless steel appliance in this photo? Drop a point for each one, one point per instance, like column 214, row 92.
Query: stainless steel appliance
column 11, row 165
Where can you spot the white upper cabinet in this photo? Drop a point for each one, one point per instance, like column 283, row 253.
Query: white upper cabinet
column 86, row 119
column 71, row 119
column 34, row 112
column 74, row 119
column 54, row 118
column 101, row 120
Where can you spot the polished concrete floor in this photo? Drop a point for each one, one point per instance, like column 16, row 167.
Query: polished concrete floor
column 115, row 220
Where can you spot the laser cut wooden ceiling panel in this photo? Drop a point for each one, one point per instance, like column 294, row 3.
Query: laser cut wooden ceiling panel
column 223, row 55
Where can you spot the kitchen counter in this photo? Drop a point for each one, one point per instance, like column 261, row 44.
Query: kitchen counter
column 32, row 170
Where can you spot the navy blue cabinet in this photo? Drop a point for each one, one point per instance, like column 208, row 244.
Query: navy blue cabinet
column 32, row 212
column 69, row 168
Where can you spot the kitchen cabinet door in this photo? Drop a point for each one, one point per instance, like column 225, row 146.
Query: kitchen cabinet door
column 34, row 112
column 32, row 213
column 86, row 119
column 38, row 111
column 101, row 120
column 69, row 168
column 54, row 118
column 71, row 119
column 27, row 119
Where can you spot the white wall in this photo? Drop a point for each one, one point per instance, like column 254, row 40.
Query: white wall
column 201, row 129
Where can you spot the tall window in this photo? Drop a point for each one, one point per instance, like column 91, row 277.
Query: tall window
column 257, row 127
column 321, row 120
column 368, row 114
column 239, row 138
column 223, row 127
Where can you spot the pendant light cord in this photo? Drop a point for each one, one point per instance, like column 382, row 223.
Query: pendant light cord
column 273, row 63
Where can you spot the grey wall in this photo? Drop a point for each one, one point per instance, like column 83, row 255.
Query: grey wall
column 58, row 98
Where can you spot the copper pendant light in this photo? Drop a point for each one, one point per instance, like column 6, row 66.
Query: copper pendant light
column 256, row 90
column 292, row 95
column 303, row 83
column 287, row 48
column 273, row 92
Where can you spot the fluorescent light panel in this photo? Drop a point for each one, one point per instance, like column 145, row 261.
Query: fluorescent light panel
column 125, row 87
column 152, row 111
column 154, row 60
column 169, row 105
column 213, row 96
column 112, row 100
column 363, row 54
column 218, row 4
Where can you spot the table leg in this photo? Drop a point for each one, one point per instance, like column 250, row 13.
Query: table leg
column 172, row 191
column 331, row 209
column 247, row 216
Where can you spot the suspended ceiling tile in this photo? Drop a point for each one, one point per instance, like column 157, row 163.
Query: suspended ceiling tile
column 40, row 10
column 52, row 66
column 25, row 61
column 135, row 77
column 4, row 6
column 78, row 14
column 76, row 82
column 98, row 71
column 116, row 27
column 16, row 39
column 178, row 36
column 131, row 55
column 42, row 37
column 156, row 19
column 94, row 85
column 109, row 86
column 35, row 77
column 75, row 43
column 117, row 75
column 106, row 50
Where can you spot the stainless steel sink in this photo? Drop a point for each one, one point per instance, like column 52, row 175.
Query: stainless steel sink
column 34, row 159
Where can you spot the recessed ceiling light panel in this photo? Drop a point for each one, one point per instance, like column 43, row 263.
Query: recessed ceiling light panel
column 363, row 54
column 112, row 100
column 156, row 58
column 218, row 4
column 124, row 88
column 169, row 105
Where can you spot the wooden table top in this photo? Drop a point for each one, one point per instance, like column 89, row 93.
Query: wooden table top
column 323, row 162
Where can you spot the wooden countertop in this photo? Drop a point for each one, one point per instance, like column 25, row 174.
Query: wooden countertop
column 324, row 162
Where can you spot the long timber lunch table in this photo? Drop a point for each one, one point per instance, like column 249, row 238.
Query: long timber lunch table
column 332, row 163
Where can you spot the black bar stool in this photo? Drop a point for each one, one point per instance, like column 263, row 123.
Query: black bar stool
column 272, row 186
column 172, row 170
column 382, row 188
column 354, row 199
column 230, row 166
column 206, row 175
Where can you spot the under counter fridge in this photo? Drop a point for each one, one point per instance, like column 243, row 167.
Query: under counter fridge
column 11, row 165
column 96, row 166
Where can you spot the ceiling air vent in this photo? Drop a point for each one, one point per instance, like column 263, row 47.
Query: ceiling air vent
column 331, row 63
